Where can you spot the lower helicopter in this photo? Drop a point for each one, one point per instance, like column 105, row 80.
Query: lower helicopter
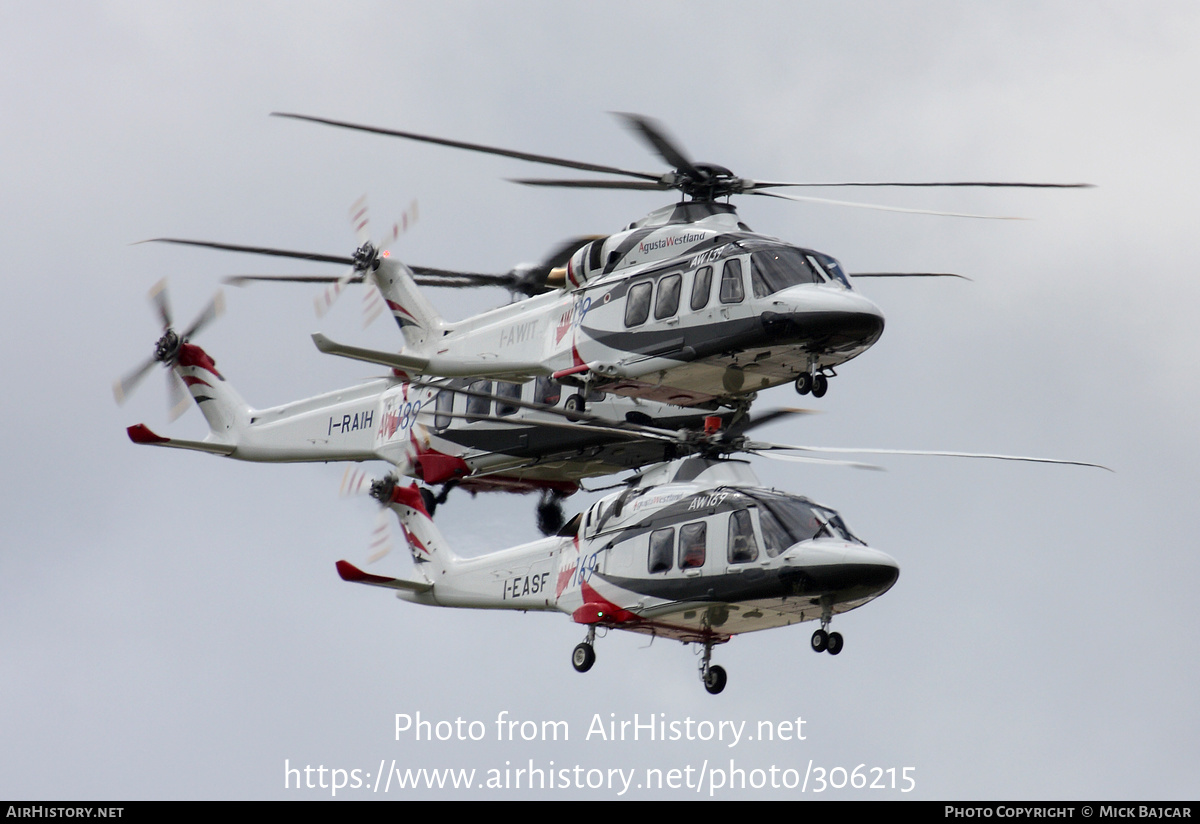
column 695, row 549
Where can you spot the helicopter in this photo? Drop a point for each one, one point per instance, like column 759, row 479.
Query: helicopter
column 694, row 549
column 686, row 306
column 449, row 433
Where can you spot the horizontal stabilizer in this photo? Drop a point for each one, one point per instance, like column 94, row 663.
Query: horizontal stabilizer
column 142, row 434
column 354, row 575
column 442, row 368
column 395, row 360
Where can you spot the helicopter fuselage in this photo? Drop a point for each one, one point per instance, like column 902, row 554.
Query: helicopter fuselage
column 686, row 307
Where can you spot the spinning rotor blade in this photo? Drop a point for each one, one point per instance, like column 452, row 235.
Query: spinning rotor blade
column 878, row 207
column 654, row 133
column 357, row 482
column 906, row 275
column 996, row 184
column 123, row 388
column 766, row 448
column 177, row 396
column 214, row 309
column 255, row 250
column 158, row 297
column 472, row 147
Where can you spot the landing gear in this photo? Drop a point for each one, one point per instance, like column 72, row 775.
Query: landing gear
column 814, row 381
column 550, row 518
column 584, row 655
column 820, row 385
column 825, row 641
column 575, row 403
column 713, row 677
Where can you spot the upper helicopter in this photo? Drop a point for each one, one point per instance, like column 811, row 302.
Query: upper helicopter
column 686, row 306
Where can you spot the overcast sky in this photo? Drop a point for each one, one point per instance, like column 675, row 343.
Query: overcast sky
column 172, row 623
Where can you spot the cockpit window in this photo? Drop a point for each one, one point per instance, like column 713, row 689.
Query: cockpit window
column 743, row 548
column 732, row 289
column 793, row 520
column 832, row 268
column 779, row 268
column 701, row 287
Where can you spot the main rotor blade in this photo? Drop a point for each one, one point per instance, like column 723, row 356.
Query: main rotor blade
column 769, row 447
column 472, row 147
column 805, row 199
column 654, row 133
column 644, row 185
column 762, row 184
column 907, row 275
column 255, row 250
column 243, row 280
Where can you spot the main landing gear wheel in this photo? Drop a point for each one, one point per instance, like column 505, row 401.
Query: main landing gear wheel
column 584, row 656
column 714, row 679
column 820, row 385
column 835, row 643
column 575, row 403
column 804, row 383
column 820, row 641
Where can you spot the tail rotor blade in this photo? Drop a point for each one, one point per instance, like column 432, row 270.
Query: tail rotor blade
column 158, row 297
column 177, row 396
column 214, row 309
column 381, row 537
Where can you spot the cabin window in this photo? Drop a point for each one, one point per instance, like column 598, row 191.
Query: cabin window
column 662, row 550
column 701, row 288
column 692, row 545
column 742, row 546
column 637, row 303
column 668, row 296
column 444, row 405
column 775, row 269
column 732, row 289
column 507, row 390
column 547, row 391
column 477, row 405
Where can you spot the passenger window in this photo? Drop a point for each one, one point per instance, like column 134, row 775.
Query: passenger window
column 742, row 546
column 507, row 390
column 547, row 391
column 692, row 545
column 701, row 288
column 444, row 406
column 662, row 550
column 732, row 290
column 637, row 303
column 668, row 296
column 477, row 405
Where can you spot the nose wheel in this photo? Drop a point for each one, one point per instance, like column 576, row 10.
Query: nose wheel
column 831, row 642
column 815, row 382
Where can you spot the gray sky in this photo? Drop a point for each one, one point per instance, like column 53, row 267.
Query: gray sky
column 173, row 626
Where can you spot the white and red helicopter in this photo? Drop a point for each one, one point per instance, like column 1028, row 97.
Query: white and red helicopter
column 479, row 435
column 686, row 306
column 694, row 549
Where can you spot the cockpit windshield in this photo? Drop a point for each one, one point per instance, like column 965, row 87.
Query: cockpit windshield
column 780, row 267
column 786, row 520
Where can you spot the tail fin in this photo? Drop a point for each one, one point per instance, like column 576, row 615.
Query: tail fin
column 430, row 551
column 419, row 322
column 227, row 414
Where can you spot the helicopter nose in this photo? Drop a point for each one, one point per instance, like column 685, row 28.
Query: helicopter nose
column 844, row 567
column 822, row 319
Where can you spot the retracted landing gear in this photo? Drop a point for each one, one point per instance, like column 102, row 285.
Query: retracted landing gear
column 584, row 655
column 713, row 676
column 550, row 518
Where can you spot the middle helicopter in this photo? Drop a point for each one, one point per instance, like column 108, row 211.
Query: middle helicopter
column 686, row 306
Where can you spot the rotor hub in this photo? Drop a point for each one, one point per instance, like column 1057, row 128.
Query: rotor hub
column 167, row 348
column 366, row 257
